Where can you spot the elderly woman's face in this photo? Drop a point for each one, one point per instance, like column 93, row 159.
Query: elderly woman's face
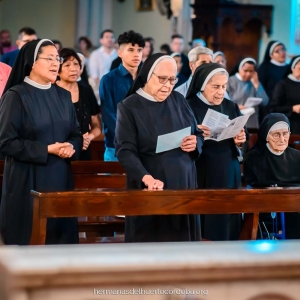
column 279, row 139
column 215, row 89
column 165, row 69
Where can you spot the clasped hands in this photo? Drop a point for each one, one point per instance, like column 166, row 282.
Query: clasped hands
column 63, row 150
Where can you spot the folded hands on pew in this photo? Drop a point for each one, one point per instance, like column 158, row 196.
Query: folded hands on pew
column 63, row 150
column 152, row 184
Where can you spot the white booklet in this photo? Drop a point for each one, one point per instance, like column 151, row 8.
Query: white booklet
column 221, row 127
column 172, row 140
column 253, row 101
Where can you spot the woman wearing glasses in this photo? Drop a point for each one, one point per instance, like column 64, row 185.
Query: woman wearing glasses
column 83, row 98
column 272, row 70
column 151, row 110
column 39, row 134
column 286, row 95
column 218, row 166
column 271, row 162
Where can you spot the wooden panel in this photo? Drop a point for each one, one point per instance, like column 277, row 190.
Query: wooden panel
column 93, row 181
column 92, row 167
column 107, row 202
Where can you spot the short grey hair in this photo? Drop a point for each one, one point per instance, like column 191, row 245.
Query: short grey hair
column 194, row 53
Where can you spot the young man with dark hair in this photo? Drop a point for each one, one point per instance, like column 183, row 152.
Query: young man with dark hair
column 26, row 34
column 101, row 58
column 115, row 85
column 177, row 45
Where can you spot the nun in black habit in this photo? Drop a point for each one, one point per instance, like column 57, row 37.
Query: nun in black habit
column 286, row 95
column 150, row 110
column 39, row 134
column 272, row 162
column 272, row 70
column 218, row 166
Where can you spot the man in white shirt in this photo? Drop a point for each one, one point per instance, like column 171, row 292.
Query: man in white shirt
column 101, row 59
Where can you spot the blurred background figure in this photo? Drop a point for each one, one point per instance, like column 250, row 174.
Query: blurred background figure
column 101, row 59
column 57, row 44
column 5, row 42
column 198, row 42
column 4, row 74
column 165, row 48
column 220, row 58
column 181, row 78
column 177, row 45
column 148, row 49
column 85, row 47
column 26, row 34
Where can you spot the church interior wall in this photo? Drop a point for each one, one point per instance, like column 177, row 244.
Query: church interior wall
column 54, row 19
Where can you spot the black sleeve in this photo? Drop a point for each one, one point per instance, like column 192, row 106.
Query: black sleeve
column 279, row 100
column 249, row 174
column 197, row 132
column 12, row 144
column 263, row 76
column 91, row 101
column 75, row 137
column 126, row 144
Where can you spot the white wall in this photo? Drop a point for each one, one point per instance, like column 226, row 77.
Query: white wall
column 54, row 19
column 126, row 17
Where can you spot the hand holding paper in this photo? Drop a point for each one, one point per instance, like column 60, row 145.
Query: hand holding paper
column 223, row 127
column 172, row 140
column 189, row 143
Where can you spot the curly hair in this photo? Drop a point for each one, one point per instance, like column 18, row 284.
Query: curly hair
column 131, row 37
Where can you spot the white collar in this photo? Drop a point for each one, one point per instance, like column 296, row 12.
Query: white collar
column 238, row 76
column 272, row 151
column 142, row 93
column 37, row 85
column 276, row 63
column 292, row 77
column 201, row 97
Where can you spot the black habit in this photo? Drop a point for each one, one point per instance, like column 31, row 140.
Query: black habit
column 262, row 168
column 32, row 119
column 139, row 123
column 218, row 166
column 286, row 95
column 269, row 75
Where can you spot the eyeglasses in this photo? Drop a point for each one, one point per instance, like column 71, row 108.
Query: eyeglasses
column 276, row 135
column 280, row 50
column 165, row 79
column 52, row 60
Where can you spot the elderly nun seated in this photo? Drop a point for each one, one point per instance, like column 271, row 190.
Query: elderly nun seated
column 218, row 166
column 153, row 109
column 272, row 162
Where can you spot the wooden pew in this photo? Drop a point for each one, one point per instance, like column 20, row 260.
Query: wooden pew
column 132, row 203
column 99, row 174
column 252, row 270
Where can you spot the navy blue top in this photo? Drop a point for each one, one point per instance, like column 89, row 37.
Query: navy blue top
column 113, row 89
column 10, row 57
